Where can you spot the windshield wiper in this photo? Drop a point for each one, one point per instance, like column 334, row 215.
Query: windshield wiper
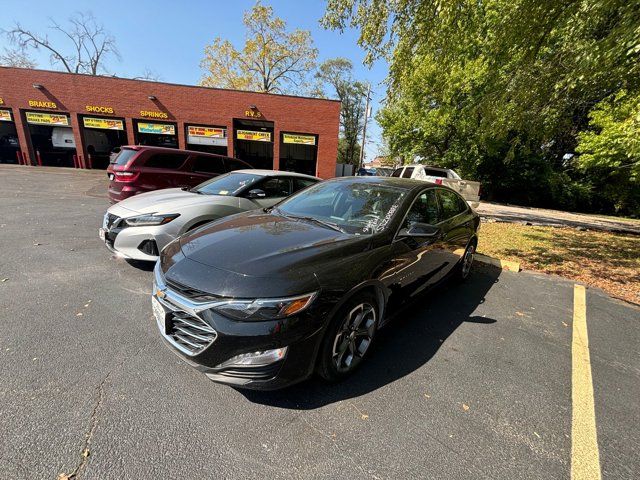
column 331, row 225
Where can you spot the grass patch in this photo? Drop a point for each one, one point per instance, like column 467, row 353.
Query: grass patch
column 609, row 261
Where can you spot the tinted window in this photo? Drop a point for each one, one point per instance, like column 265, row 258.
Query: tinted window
column 235, row 164
column 300, row 183
column 227, row 185
column 124, row 156
column 170, row 161
column 424, row 210
column 451, row 204
column 276, row 187
column 205, row 164
column 357, row 208
column 396, row 172
column 407, row 172
column 435, row 173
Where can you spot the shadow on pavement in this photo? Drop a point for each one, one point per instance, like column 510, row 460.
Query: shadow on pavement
column 407, row 343
column 141, row 265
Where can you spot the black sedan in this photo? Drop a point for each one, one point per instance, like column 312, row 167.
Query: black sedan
column 266, row 298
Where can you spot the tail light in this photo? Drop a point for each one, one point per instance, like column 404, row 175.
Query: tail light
column 438, row 181
column 125, row 176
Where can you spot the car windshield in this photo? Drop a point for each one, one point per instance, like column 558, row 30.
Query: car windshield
column 355, row 208
column 227, row 185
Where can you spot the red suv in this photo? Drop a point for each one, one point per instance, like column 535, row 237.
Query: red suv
column 138, row 169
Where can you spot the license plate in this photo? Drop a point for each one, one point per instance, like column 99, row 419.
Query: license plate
column 111, row 176
column 159, row 313
column 101, row 234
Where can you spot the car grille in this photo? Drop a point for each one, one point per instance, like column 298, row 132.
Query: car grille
column 191, row 293
column 191, row 333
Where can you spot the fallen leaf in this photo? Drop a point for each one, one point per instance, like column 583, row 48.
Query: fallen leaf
column 86, row 305
column 364, row 416
column 64, row 476
column 4, row 280
column 85, row 453
column 536, row 434
column 520, row 314
column 79, row 314
column 465, row 407
column 36, row 244
column 565, row 324
column 427, row 396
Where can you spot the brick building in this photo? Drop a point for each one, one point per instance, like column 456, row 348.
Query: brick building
column 62, row 119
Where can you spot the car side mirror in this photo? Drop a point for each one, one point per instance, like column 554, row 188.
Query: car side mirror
column 256, row 193
column 420, row 230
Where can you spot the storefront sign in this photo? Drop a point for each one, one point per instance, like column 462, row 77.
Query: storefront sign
column 5, row 115
column 252, row 114
column 41, row 104
column 152, row 114
column 104, row 123
column 47, row 118
column 299, row 139
column 99, row 109
column 157, row 128
column 253, row 136
column 209, row 132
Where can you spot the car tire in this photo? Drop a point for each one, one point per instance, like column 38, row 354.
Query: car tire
column 348, row 341
column 463, row 269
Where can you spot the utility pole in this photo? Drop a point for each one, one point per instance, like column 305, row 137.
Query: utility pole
column 364, row 128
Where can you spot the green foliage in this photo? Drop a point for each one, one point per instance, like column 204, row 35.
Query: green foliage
column 272, row 59
column 501, row 89
column 335, row 75
column 613, row 141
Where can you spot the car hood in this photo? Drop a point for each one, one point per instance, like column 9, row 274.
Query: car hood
column 263, row 248
column 169, row 200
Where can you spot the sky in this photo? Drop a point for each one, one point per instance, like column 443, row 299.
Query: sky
column 168, row 37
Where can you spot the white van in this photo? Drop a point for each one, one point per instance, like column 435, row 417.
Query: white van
column 62, row 137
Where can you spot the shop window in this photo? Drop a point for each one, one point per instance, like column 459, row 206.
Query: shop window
column 298, row 153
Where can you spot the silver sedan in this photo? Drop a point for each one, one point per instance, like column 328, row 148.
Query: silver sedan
column 139, row 227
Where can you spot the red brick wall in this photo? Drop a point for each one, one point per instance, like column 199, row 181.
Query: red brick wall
column 184, row 104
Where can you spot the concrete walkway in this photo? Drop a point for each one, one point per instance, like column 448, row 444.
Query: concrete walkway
column 539, row 216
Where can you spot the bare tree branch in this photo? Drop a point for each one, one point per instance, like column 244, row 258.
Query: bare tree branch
column 90, row 43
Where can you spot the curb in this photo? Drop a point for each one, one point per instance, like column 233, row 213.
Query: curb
column 503, row 264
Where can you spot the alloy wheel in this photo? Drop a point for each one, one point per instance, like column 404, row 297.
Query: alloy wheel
column 354, row 337
column 467, row 261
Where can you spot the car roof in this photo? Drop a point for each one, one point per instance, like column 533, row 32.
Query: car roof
column 404, row 183
column 273, row 173
column 175, row 150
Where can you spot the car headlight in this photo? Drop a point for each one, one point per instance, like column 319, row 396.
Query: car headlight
column 265, row 308
column 150, row 219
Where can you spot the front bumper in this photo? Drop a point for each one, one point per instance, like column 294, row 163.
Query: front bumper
column 301, row 335
column 137, row 243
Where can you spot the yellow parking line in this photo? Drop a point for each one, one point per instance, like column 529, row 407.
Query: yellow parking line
column 585, row 457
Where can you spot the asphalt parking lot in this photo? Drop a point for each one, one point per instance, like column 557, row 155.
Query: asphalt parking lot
column 475, row 381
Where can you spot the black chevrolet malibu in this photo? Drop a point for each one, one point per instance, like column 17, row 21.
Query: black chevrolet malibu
column 266, row 298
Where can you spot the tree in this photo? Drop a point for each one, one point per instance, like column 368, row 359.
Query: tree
column 271, row 61
column 16, row 57
column 500, row 89
column 90, row 43
column 336, row 75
